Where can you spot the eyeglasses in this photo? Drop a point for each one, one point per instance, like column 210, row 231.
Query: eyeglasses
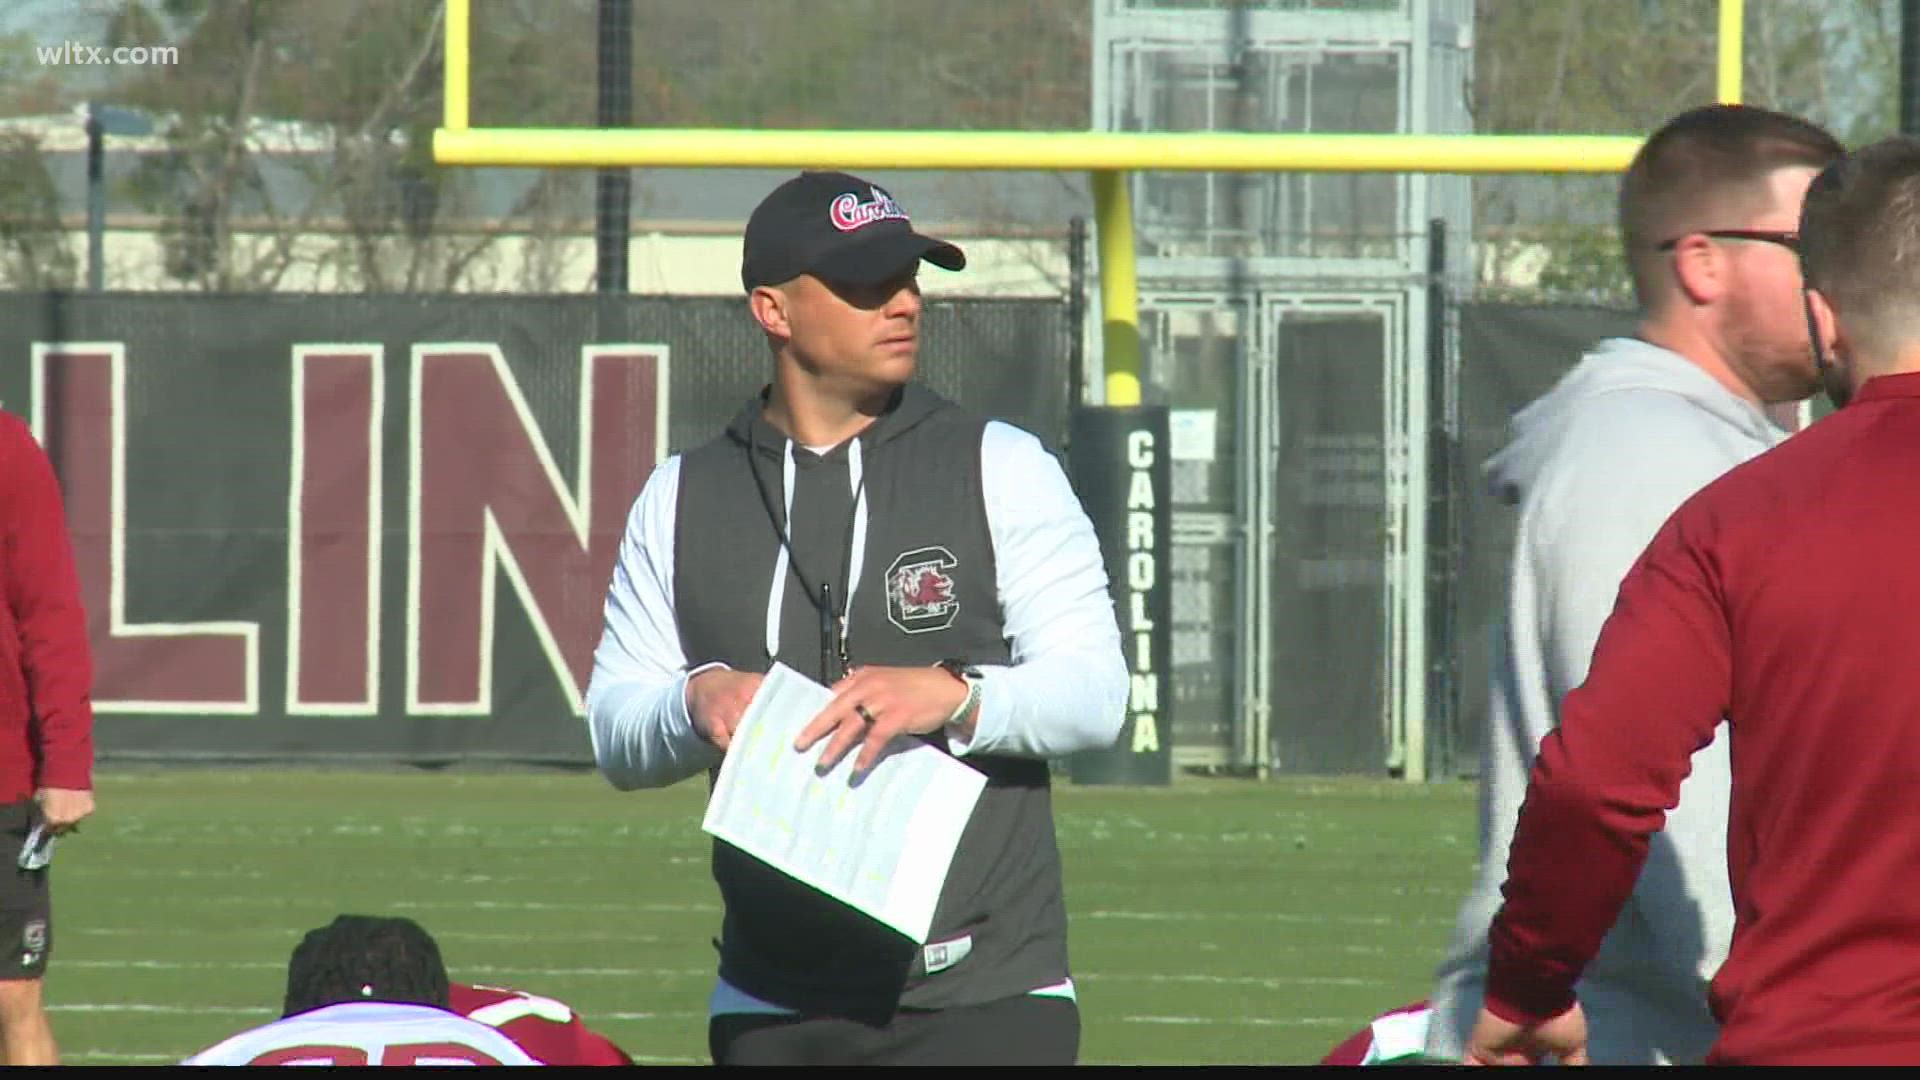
column 1786, row 238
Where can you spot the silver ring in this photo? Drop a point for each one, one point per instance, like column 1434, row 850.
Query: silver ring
column 864, row 714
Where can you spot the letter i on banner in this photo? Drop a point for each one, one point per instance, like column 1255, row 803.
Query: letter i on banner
column 333, row 531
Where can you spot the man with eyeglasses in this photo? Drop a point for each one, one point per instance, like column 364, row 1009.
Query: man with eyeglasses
column 1776, row 611
column 1708, row 210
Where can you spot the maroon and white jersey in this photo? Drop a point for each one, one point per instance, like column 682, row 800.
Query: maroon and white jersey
column 368, row 1033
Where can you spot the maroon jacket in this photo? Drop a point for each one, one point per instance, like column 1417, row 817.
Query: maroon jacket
column 1784, row 597
column 46, row 666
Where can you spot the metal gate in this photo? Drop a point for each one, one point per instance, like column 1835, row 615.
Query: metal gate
column 1296, row 418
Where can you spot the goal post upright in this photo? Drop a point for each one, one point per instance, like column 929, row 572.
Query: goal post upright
column 1109, row 157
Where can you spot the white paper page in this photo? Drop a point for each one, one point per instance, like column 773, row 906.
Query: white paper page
column 882, row 846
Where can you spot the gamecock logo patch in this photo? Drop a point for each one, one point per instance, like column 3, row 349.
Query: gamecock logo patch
column 920, row 590
column 33, row 943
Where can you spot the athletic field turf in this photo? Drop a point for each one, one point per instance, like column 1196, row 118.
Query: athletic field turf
column 1215, row 921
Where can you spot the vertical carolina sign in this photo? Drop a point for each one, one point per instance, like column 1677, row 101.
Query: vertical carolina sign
column 1118, row 456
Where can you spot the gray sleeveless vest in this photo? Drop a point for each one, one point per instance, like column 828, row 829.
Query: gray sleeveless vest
column 925, row 592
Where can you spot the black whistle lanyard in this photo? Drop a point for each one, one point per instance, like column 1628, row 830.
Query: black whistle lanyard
column 834, row 659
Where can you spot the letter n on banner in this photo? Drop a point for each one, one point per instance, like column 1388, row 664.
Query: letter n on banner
column 1121, row 470
column 488, row 497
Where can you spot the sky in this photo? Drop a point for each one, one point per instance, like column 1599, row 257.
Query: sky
column 51, row 21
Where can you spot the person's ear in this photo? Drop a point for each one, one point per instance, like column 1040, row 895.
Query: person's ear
column 1823, row 326
column 769, row 307
column 1699, row 269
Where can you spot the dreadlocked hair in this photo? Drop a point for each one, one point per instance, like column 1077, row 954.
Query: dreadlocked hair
column 365, row 958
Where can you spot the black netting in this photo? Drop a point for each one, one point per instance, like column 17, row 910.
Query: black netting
column 1509, row 355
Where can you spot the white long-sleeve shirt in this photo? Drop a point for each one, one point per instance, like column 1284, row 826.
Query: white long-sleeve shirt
column 1064, row 691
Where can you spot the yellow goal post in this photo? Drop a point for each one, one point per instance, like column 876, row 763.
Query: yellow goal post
column 1108, row 156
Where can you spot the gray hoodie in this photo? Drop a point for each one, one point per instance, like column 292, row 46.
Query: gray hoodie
column 1595, row 467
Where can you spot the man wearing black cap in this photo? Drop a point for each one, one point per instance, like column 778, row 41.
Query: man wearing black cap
column 936, row 570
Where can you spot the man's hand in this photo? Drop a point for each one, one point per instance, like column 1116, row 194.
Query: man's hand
column 874, row 705
column 63, row 808
column 1501, row 1042
column 716, row 699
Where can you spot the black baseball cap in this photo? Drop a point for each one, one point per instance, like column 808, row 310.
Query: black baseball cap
column 836, row 227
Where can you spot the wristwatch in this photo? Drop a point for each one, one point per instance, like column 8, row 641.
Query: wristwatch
column 969, row 675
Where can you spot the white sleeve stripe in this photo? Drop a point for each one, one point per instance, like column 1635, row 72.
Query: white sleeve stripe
column 515, row 1008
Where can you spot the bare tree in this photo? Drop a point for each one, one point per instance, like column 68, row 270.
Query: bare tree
column 1576, row 67
column 300, row 135
column 301, row 141
column 34, row 253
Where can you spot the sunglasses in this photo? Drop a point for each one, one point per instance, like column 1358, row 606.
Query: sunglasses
column 1786, row 238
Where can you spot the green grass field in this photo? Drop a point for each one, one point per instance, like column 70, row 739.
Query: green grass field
column 1215, row 921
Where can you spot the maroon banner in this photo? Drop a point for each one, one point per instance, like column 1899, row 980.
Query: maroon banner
column 383, row 528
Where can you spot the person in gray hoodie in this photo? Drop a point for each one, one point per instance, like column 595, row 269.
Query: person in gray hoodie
column 1708, row 209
